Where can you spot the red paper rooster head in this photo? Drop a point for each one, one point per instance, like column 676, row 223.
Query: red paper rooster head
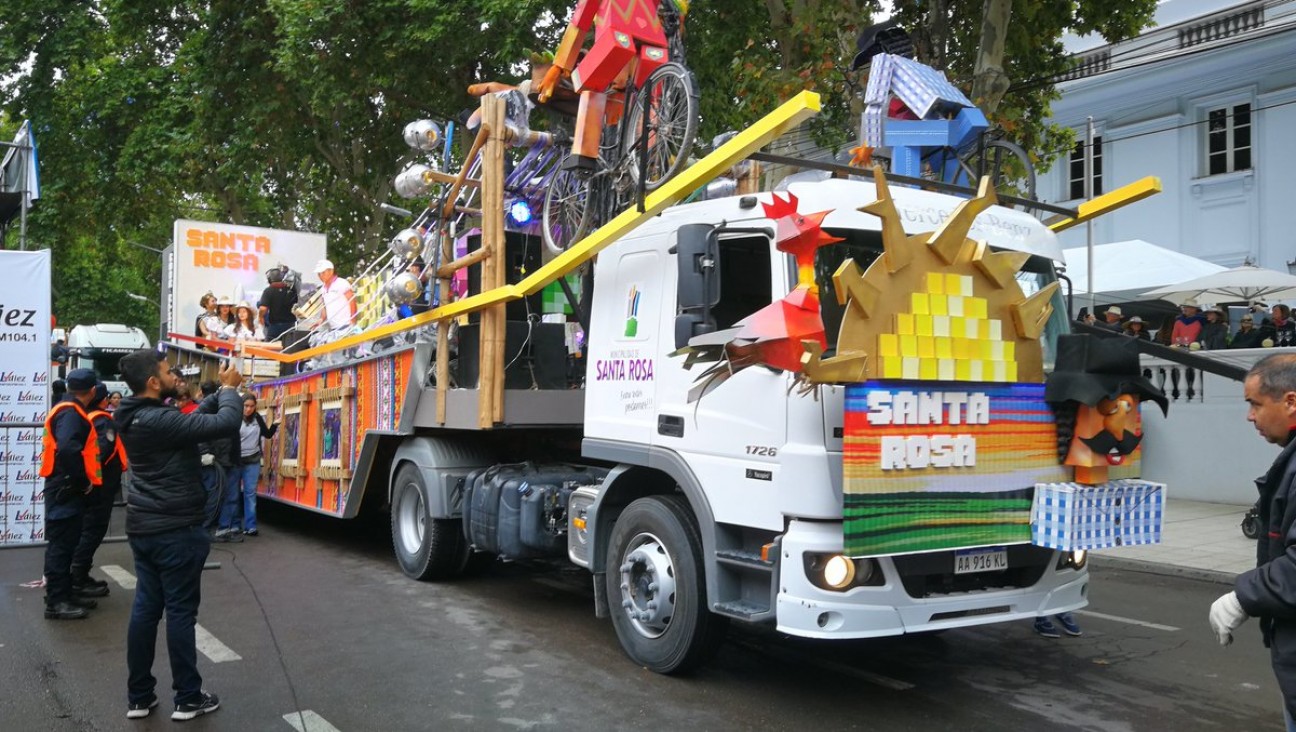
column 799, row 235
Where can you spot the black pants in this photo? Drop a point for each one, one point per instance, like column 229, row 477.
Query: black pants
column 61, row 536
column 94, row 526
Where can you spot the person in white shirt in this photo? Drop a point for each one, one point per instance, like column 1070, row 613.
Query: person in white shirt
column 338, row 298
column 245, row 327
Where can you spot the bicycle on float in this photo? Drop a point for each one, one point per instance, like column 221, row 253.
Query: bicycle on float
column 648, row 146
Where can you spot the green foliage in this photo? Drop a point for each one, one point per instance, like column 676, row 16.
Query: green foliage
column 288, row 113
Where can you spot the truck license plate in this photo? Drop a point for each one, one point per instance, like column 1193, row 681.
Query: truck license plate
column 984, row 559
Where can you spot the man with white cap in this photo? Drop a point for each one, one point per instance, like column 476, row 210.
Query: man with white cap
column 338, row 298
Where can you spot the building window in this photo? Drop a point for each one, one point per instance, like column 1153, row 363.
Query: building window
column 1228, row 139
column 1077, row 169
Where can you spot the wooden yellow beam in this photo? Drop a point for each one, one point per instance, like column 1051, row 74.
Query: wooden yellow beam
column 790, row 114
column 1108, row 202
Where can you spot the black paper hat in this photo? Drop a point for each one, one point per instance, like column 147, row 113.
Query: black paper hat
column 1092, row 368
column 887, row 37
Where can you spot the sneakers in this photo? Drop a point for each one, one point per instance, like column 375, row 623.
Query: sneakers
column 205, row 705
column 1069, row 624
column 231, row 536
column 250, row 532
column 140, row 711
column 1046, row 628
column 65, row 611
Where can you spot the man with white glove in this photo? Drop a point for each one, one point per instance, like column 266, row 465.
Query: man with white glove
column 1226, row 616
column 1268, row 592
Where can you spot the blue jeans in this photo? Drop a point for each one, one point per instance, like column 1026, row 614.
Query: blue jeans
column 168, row 571
column 213, row 480
column 242, row 483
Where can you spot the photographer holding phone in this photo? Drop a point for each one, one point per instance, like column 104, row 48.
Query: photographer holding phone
column 164, row 523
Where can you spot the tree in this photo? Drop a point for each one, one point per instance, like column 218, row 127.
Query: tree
column 751, row 56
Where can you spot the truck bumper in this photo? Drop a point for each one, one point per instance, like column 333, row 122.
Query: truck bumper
column 804, row 609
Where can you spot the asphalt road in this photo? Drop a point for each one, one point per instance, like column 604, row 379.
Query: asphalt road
column 316, row 629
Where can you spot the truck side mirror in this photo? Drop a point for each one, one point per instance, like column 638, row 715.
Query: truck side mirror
column 698, row 253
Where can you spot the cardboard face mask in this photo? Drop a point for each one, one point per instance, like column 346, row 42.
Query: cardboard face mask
column 1106, row 433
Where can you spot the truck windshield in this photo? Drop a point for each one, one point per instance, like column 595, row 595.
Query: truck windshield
column 105, row 365
column 866, row 246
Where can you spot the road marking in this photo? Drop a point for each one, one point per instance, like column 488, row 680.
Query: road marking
column 212, row 648
column 120, row 576
column 1130, row 621
column 308, row 721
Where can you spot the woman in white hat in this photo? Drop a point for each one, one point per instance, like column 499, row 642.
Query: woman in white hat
column 1214, row 334
column 1136, row 328
column 245, row 326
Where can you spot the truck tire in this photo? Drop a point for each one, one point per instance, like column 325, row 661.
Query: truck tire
column 656, row 587
column 426, row 548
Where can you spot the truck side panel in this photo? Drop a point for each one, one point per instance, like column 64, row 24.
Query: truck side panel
column 329, row 424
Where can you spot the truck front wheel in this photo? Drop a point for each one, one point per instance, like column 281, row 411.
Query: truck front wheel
column 656, row 587
column 426, row 548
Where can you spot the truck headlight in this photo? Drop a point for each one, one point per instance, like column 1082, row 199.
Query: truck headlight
column 1073, row 560
column 839, row 572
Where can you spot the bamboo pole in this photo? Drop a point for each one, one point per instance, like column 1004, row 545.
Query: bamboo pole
column 483, row 133
column 442, row 368
column 467, row 260
column 489, row 385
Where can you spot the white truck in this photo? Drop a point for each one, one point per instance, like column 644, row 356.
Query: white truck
column 100, row 346
column 689, row 513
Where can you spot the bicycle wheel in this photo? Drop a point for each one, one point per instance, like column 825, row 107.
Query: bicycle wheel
column 672, row 112
column 566, row 213
column 1008, row 165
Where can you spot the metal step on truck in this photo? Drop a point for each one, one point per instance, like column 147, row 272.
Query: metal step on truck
column 704, row 453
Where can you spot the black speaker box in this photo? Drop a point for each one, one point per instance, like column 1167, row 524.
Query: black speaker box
column 545, row 355
column 521, row 258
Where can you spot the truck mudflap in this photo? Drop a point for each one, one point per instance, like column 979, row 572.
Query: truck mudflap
column 804, row 609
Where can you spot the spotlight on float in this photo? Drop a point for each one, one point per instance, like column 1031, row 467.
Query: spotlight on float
column 414, row 181
column 422, row 134
column 403, row 289
column 520, row 212
column 407, row 244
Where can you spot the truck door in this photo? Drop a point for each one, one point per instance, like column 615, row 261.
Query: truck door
column 731, row 434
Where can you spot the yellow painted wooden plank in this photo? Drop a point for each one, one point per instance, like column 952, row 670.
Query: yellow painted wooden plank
column 1108, row 202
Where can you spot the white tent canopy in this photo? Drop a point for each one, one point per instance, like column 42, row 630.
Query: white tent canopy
column 1125, row 270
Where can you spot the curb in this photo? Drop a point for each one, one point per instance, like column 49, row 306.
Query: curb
column 1161, row 568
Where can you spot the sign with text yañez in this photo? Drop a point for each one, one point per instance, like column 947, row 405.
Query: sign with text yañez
column 24, row 393
column 231, row 260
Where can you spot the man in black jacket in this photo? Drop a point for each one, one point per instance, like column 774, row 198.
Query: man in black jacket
column 164, row 522
column 1268, row 592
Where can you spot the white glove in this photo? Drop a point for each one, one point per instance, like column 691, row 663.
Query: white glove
column 208, row 459
column 1226, row 614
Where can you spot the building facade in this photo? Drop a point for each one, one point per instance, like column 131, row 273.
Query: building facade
column 1206, row 100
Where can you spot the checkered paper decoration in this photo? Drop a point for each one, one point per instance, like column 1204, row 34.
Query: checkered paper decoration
column 1072, row 516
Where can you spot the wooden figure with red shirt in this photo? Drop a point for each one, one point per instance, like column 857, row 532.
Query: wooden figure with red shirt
column 628, row 39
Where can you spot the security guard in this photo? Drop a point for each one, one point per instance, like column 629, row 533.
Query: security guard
column 70, row 467
column 99, row 504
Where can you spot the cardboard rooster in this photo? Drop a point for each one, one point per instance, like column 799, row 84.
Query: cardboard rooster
column 773, row 335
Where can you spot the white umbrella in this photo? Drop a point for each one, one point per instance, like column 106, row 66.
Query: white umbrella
column 1124, row 270
column 1240, row 283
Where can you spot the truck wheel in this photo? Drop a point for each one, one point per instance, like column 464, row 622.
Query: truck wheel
column 656, row 587
column 427, row 548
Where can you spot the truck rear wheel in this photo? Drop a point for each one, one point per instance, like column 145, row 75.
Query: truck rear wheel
column 426, row 548
column 656, row 587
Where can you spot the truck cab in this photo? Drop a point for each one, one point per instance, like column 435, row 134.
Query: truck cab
column 99, row 347
column 756, row 459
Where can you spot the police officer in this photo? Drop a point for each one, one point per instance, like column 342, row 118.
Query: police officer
column 99, row 504
column 70, row 466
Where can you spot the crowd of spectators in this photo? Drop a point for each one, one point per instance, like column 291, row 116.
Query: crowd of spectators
column 1206, row 329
